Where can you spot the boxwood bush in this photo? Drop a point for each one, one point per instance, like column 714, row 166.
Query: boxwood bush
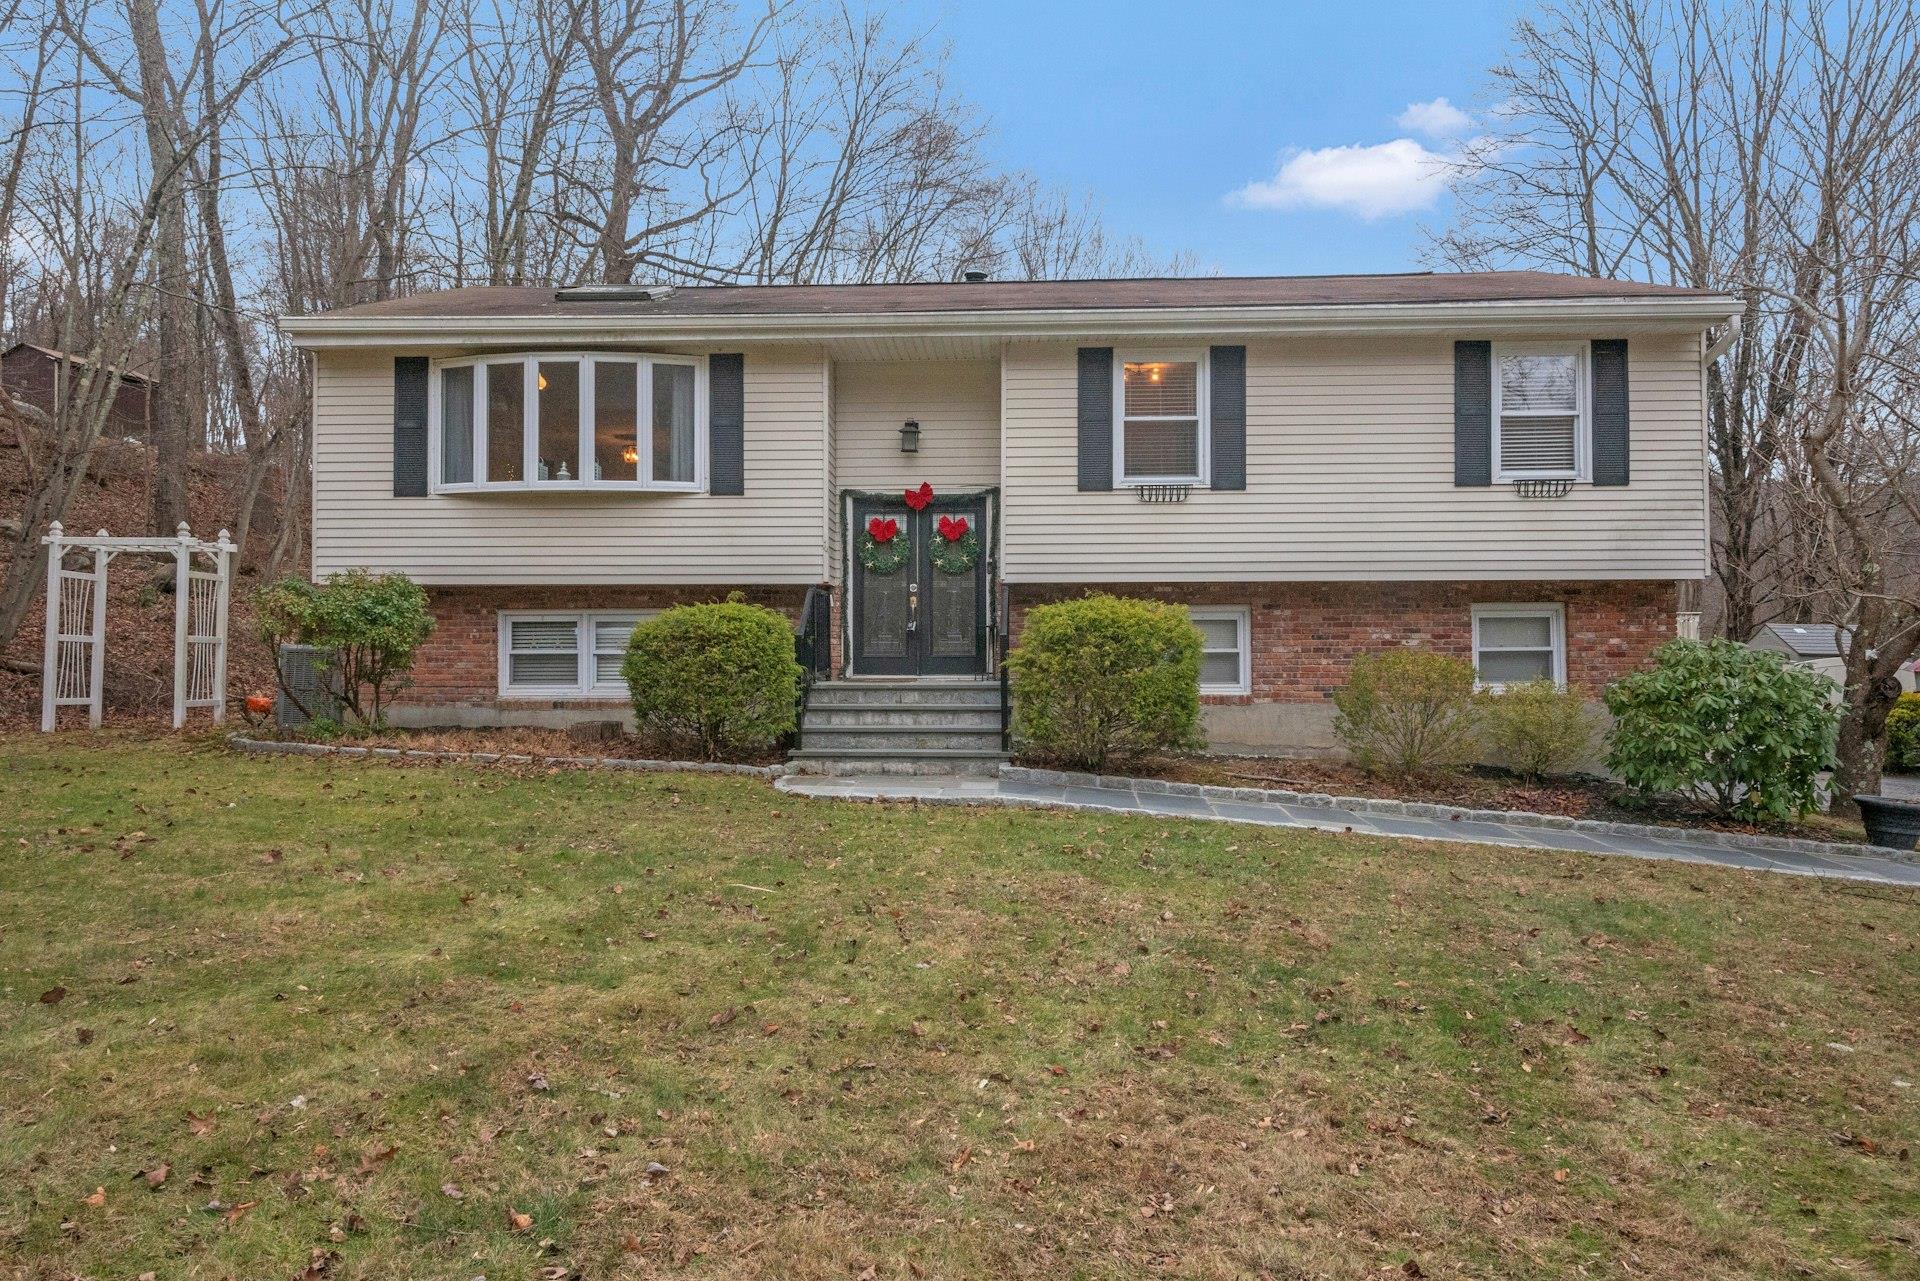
column 1903, row 734
column 1102, row 679
column 1408, row 711
column 718, row 679
column 1738, row 729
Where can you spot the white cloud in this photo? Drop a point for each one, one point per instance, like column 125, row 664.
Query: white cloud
column 1373, row 181
column 1436, row 119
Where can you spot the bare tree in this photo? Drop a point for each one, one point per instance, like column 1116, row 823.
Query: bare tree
column 1770, row 151
column 1644, row 140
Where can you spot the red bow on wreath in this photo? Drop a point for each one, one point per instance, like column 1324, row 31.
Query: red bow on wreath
column 881, row 529
column 952, row 529
column 919, row 498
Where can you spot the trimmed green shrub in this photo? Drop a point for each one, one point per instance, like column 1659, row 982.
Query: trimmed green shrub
column 369, row 627
column 1903, row 734
column 1407, row 711
column 1103, row 679
column 1738, row 729
column 720, row 679
column 1536, row 728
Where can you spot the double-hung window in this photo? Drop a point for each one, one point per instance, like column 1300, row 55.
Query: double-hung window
column 1513, row 644
column 565, row 654
column 568, row 420
column 1160, row 418
column 1541, row 426
column 1225, row 650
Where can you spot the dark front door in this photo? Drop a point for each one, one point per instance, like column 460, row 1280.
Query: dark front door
column 919, row 607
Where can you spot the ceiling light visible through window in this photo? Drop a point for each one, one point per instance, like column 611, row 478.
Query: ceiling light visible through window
column 630, row 455
column 543, row 382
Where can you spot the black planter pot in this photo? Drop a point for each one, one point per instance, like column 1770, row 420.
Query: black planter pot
column 1889, row 822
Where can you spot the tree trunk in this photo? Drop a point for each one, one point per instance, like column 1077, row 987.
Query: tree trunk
column 171, row 430
column 1860, row 749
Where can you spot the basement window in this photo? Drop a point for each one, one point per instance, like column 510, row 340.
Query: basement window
column 566, row 654
column 1225, row 652
column 1514, row 644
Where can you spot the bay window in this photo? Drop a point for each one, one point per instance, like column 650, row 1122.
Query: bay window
column 569, row 420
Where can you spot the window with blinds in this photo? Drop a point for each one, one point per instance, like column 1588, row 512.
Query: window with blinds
column 1540, row 399
column 558, row 655
column 1514, row 644
column 1225, row 658
column 1161, row 420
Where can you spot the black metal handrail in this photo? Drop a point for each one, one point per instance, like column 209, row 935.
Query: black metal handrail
column 1002, row 642
column 813, row 644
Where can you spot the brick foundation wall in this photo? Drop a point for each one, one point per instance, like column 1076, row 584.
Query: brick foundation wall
column 1306, row 634
column 460, row 663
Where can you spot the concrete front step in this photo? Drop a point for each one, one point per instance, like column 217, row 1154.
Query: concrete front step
column 840, row 762
column 903, row 694
column 903, row 741
column 910, row 716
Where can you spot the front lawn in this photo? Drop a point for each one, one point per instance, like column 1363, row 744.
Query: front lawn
column 298, row 1017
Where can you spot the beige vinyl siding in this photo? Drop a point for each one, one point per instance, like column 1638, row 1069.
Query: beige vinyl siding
column 774, row 534
column 1350, row 476
column 956, row 403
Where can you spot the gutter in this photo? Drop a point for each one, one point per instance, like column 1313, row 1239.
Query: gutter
column 1725, row 341
column 1489, row 318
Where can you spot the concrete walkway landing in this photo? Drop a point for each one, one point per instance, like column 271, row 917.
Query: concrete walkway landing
column 976, row 790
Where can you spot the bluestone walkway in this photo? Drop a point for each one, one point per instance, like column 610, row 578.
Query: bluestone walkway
column 976, row 790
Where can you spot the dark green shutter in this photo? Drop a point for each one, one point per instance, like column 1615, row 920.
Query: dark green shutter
column 409, row 426
column 1096, row 418
column 1610, row 434
column 1227, row 416
column 726, row 424
column 1473, row 413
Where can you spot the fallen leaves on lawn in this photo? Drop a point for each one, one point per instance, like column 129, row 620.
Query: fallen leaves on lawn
column 452, row 1192
column 158, row 1174
column 377, row 1158
column 97, row 1199
column 960, row 1160
column 53, row 995
column 517, row 1221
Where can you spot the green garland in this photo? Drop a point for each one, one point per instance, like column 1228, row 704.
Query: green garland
column 958, row 557
column 881, row 559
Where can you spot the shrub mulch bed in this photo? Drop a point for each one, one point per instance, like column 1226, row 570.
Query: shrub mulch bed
column 1482, row 788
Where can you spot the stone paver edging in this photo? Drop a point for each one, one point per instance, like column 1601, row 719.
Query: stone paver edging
column 282, row 747
column 1755, row 842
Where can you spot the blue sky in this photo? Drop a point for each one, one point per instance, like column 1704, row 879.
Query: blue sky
column 1162, row 113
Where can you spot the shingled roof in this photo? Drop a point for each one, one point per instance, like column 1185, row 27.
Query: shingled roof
column 1024, row 295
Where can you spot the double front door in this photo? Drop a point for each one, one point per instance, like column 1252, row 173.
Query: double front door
column 919, row 599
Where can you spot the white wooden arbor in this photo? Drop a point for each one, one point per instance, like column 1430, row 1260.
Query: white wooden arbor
column 76, row 650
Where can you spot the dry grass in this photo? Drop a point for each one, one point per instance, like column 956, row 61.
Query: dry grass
column 920, row 1042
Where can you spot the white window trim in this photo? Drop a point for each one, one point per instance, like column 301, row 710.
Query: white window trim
column 583, row 651
column 1242, row 619
column 1557, row 636
column 530, row 424
column 1582, row 469
column 1202, row 435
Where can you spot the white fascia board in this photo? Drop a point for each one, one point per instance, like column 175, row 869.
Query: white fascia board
column 1477, row 318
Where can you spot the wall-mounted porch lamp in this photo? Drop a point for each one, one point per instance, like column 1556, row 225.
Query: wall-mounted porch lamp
column 910, row 437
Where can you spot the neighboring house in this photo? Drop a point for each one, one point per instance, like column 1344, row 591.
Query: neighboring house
column 1815, row 645
column 31, row 373
column 1506, row 466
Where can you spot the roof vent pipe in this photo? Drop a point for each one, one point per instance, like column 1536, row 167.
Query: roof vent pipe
column 974, row 275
